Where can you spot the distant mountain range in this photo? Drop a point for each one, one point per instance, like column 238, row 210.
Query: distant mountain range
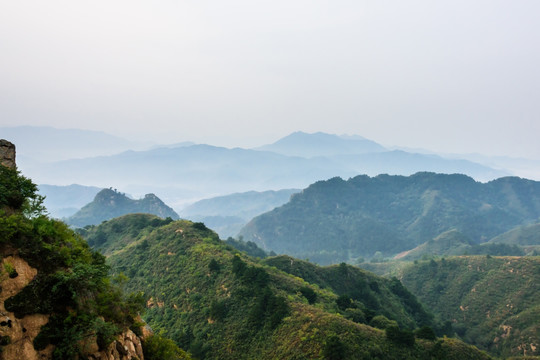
column 109, row 203
column 321, row 144
column 338, row 220
column 227, row 214
column 182, row 173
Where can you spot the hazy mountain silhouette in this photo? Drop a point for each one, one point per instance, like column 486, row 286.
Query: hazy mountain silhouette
column 201, row 171
column 109, row 203
column 321, row 144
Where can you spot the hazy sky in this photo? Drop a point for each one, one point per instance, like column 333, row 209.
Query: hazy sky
column 454, row 76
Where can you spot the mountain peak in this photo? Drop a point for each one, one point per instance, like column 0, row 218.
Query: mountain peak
column 110, row 203
column 321, row 144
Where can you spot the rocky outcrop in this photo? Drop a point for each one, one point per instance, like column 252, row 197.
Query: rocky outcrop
column 7, row 153
column 17, row 335
column 127, row 346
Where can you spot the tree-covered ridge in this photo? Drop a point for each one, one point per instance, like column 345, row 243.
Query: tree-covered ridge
column 337, row 220
column 492, row 301
column 109, row 203
column 371, row 294
column 221, row 304
column 72, row 283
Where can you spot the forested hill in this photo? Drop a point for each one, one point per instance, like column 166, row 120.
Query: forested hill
column 492, row 301
column 109, row 203
column 337, row 220
column 221, row 304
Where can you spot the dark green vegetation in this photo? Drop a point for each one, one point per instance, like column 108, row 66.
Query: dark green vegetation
column 365, row 293
column 248, row 247
column 221, row 304
column 492, row 302
column 109, row 203
column 337, row 220
column 72, row 284
column 115, row 235
column 156, row 347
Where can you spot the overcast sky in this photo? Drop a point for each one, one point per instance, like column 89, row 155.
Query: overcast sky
column 450, row 76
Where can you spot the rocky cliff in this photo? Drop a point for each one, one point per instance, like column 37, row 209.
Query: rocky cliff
column 17, row 335
column 7, row 153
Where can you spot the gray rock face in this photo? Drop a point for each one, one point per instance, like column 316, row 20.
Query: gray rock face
column 7, row 153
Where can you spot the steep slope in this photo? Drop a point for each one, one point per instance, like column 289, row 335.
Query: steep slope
column 228, row 214
column 223, row 305
column 492, row 301
column 337, row 220
column 109, row 203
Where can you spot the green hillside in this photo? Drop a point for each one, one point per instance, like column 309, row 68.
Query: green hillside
column 522, row 235
column 63, row 283
column 336, row 220
column 220, row 304
column 377, row 295
column 452, row 242
column 492, row 301
column 109, row 203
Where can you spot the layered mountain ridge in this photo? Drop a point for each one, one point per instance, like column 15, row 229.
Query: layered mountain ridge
column 338, row 220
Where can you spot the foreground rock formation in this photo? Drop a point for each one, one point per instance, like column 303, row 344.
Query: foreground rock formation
column 17, row 335
column 7, row 153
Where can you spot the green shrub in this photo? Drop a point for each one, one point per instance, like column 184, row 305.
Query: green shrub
column 18, row 192
column 400, row 337
column 309, row 294
column 12, row 273
column 344, row 302
column 218, row 310
column 156, row 347
column 382, row 322
column 334, row 349
column 214, row 266
column 425, row 332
